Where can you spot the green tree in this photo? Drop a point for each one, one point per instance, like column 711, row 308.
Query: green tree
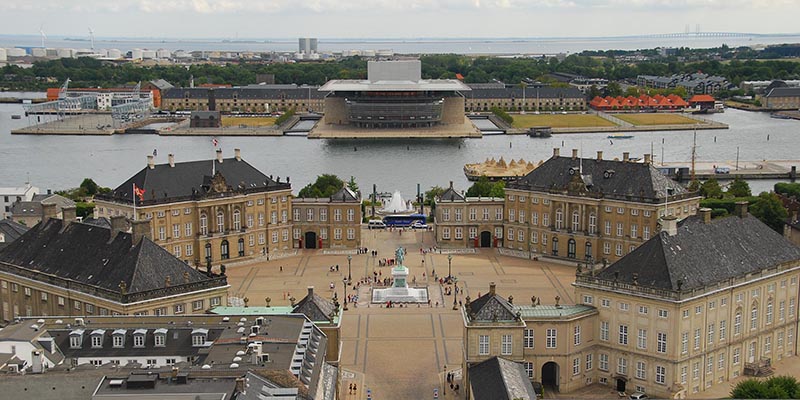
column 739, row 188
column 613, row 89
column 769, row 209
column 711, row 189
column 434, row 192
column 749, row 389
column 485, row 188
column 778, row 387
column 352, row 185
column 89, row 187
column 788, row 189
column 325, row 186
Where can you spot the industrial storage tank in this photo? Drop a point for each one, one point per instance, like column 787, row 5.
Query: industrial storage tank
column 148, row 54
column 64, row 53
column 38, row 52
column 163, row 53
column 15, row 52
column 114, row 53
column 136, row 54
column 3, row 55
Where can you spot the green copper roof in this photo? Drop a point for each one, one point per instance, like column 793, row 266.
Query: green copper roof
column 551, row 311
column 261, row 310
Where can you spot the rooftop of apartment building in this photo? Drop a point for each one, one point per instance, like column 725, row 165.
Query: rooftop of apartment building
column 33, row 208
column 343, row 195
column 10, row 231
column 615, row 179
column 192, row 180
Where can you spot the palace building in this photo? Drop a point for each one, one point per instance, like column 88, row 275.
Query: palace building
column 328, row 222
column 468, row 221
column 702, row 302
column 69, row 268
column 588, row 209
column 394, row 95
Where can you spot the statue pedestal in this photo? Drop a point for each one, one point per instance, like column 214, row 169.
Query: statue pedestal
column 400, row 292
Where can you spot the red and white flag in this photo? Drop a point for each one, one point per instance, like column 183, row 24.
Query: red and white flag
column 138, row 192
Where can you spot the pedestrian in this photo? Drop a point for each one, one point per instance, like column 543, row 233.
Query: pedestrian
column 456, row 388
column 281, row 268
column 351, row 389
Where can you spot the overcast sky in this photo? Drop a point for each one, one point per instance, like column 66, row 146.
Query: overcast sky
column 393, row 18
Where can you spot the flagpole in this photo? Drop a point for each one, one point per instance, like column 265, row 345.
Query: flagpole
column 134, row 201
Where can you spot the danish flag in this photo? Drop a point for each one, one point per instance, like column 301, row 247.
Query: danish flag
column 139, row 192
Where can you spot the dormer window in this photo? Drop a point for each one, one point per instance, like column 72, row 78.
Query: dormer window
column 199, row 337
column 118, row 338
column 160, row 336
column 76, row 339
column 138, row 337
column 97, row 338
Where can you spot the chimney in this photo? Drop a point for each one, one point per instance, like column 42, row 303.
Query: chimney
column 219, row 156
column 626, row 156
column 68, row 214
column 238, row 154
column 574, row 154
column 556, row 152
column 669, row 224
column 741, row 209
column 310, row 292
column 171, row 158
column 150, row 162
column 492, row 287
column 599, row 155
column 141, row 229
column 451, row 184
column 48, row 211
column 118, row 224
column 648, row 159
column 705, row 213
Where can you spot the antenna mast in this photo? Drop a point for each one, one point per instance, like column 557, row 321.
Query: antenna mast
column 694, row 150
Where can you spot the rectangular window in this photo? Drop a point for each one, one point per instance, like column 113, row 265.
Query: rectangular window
column 710, row 334
column 589, row 362
column 460, row 233
column 527, row 339
column 197, row 305
column 505, row 345
column 737, row 353
column 337, row 234
column 446, row 233
column 641, row 339
column 162, row 233
column 641, row 370
column 177, row 251
column 684, row 342
column 446, row 214
column 643, row 310
column 684, row 373
column 189, row 250
column 138, row 340
column 624, row 306
column 603, row 362
column 605, row 303
column 661, row 374
column 577, row 335
column 696, row 370
column 483, row 345
column 588, row 300
column 529, row 369
column 662, row 342
column 721, row 361
column 663, row 313
column 176, row 231
column 551, row 338
column 623, row 334
column 604, row 330
column 622, row 366
column 697, row 339
column 646, row 232
column 576, row 366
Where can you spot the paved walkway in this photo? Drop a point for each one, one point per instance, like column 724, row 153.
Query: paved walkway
column 400, row 353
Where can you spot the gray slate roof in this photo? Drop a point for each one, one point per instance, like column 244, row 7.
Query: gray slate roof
column 500, row 379
column 191, row 180
column 11, row 231
column 451, row 195
column 491, row 307
column 267, row 92
column 784, row 92
column 704, row 254
column 34, row 207
column 628, row 178
column 530, row 93
column 88, row 254
column 315, row 307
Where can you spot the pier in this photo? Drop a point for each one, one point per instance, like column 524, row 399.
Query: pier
column 747, row 170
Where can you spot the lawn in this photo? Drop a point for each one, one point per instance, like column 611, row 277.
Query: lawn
column 247, row 121
column 560, row 120
column 656, row 119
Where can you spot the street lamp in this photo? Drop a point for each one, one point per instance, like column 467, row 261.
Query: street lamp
column 349, row 275
column 444, row 386
column 455, row 294
column 345, row 298
column 449, row 265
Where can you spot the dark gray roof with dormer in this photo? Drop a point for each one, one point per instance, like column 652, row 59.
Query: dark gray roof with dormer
column 315, row 307
column 88, row 255
column 34, row 207
column 11, row 231
column 783, row 92
column 602, row 178
column 345, row 195
column 703, row 254
column 192, row 180
column 451, row 195
column 500, row 379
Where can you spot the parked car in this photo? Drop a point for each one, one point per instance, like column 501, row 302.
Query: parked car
column 638, row 396
column 419, row 225
column 376, row 224
column 722, row 170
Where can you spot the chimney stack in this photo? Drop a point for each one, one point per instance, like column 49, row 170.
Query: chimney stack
column 48, row 211
column 451, row 184
column 556, row 152
column 238, row 154
column 141, row 229
column 626, row 156
column 219, row 156
column 68, row 214
column 705, row 213
column 118, row 224
column 492, row 287
column 741, row 209
column 669, row 224
column 310, row 292
column 599, row 155
column 171, row 158
column 150, row 162
column 648, row 159
column 574, row 154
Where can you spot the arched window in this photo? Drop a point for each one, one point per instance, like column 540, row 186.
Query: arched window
column 241, row 247
column 555, row 246
column 754, row 316
column 220, row 221
column 224, row 250
column 208, row 252
column 237, row 220
column 203, row 224
column 571, row 248
column 737, row 322
column 588, row 251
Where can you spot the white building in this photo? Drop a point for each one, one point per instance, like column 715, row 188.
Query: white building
column 9, row 195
